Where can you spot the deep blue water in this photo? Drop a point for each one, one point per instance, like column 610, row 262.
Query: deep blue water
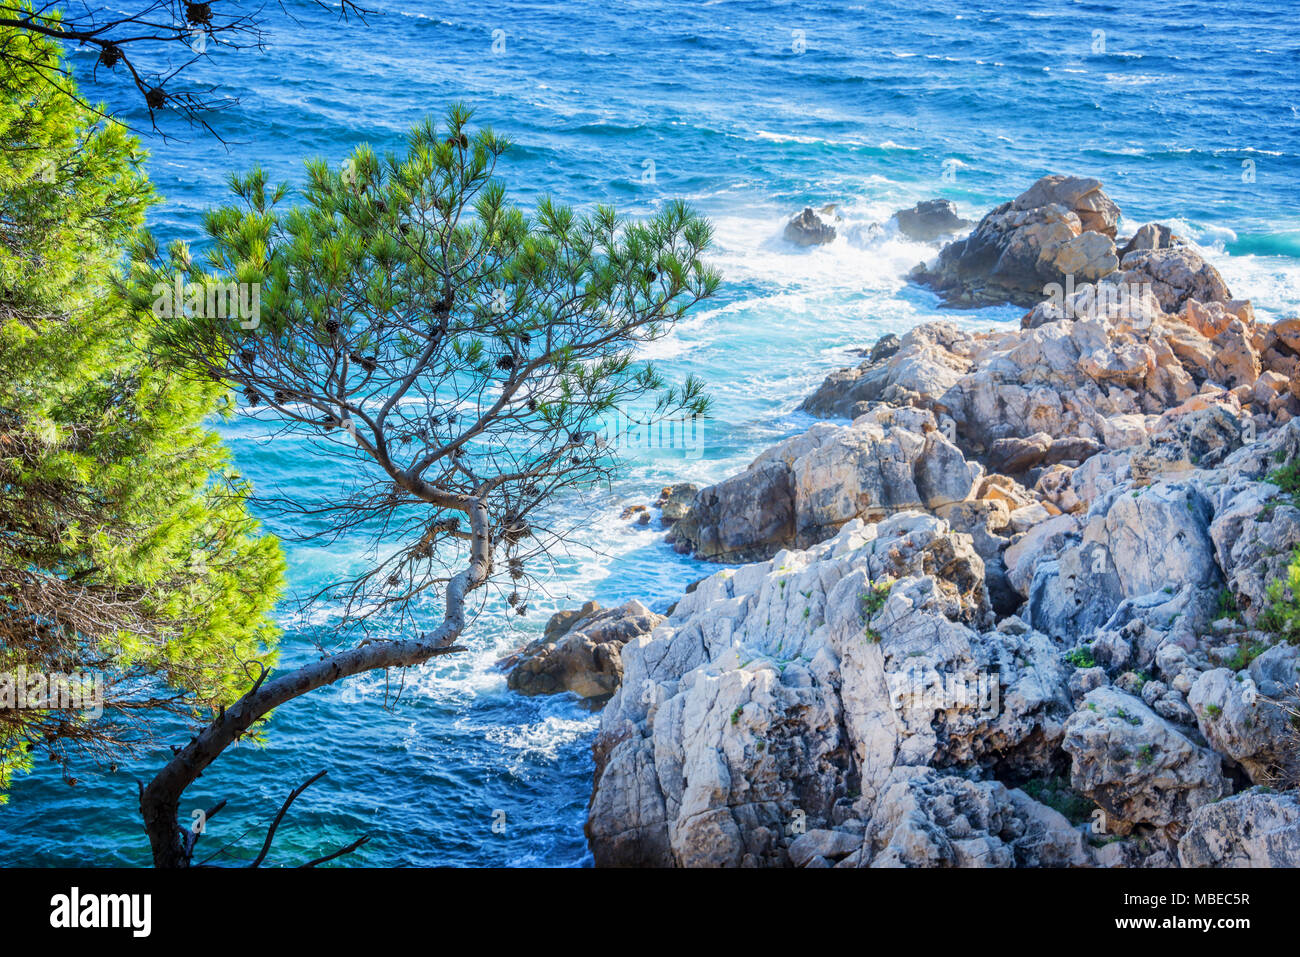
column 1171, row 106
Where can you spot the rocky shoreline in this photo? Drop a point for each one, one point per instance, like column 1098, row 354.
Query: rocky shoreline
column 1026, row 599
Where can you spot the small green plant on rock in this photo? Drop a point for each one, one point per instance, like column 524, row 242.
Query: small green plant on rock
column 873, row 599
column 1081, row 658
column 1056, row 793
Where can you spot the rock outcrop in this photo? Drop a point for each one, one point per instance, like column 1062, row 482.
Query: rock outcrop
column 1061, row 226
column 1257, row 828
column 579, row 652
column 931, row 219
column 804, row 489
column 812, row 227
column 1018, row 610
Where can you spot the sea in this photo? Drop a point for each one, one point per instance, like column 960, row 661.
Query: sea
column 1186, row 111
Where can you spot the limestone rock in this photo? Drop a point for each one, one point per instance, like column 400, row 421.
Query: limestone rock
column 926, row 819
column 802, row 490
column 789, row 690
column 1136, row 765
column 812, row 228
column 584, row 658
column 1060, row 226
column 1257, row 828
column 1239, row 722
column 931, row 219
column 1175, row 274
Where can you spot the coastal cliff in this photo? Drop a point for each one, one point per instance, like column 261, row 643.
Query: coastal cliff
column 1022, row 603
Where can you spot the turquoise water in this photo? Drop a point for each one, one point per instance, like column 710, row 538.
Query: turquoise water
column 882, row 100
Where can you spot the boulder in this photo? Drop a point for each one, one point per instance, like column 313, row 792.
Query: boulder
column 1138, row 767
column 1242, row 723
column 675, row 501
column 583, row 658
column 812, row 228
column 1198, row 439
column 1175, row 275
column 927, row 819
column 1151, row 236
column 1079, row 194
column 927, row 361
column 1257, row 828
column 1061, row 226
column 931, row 219
column 802, row 490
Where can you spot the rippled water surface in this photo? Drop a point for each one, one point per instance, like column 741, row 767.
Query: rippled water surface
column 1186, row 111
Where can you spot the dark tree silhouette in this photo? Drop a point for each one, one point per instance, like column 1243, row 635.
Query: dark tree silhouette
column 151, row 45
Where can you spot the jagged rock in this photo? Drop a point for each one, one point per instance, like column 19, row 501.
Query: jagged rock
column 675, row 501
column 886, row 346
column 562, row 621
column 1257, row 828
column 1063, row 379
column 1155, row 537
column 1259, row 550
column 1136, row 543
column 812, row 228
column 1288, row 331
column 1060, row 226
column 1199, row 439
column 927, row 819
column 929, row 360
column 1151, row 236
column 931, row 219
column 1239, row 722
column 1015, row 456
column 1040, row 544
column 802, row 490
column 744, row 517
column 584, row 658
column 1136, row 765
column 1175, row 275
column 784, row 686
column 1080, row 194
column 824, row 844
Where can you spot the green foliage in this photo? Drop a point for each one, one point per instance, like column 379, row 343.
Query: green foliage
column 1226, row 605
column 1056, row 793
column 872, row 600
column 1081, row 658
column 436, row 341
column 1282, row 614
column 125, row 545
column 1247, row 651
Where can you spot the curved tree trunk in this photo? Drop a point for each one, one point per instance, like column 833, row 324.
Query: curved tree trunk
column 160, row 799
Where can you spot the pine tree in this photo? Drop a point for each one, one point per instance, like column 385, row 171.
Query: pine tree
column 129, row 561
column 454, row 355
